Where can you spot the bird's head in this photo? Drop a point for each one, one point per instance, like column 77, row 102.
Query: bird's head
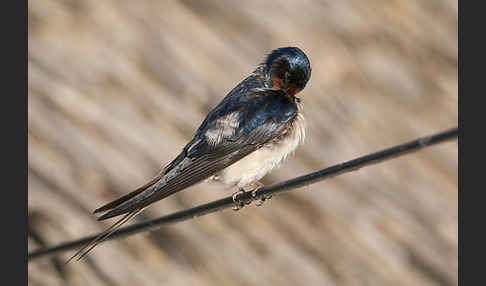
column 288, row 69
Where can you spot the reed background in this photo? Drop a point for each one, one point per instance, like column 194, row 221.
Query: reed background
column 117, row 88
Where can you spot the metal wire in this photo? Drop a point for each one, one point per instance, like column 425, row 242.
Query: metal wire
column 227, row 202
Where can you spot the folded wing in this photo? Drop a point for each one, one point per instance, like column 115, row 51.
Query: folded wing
column 221, row 141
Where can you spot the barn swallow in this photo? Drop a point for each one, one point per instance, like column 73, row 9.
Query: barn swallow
column 250, row 132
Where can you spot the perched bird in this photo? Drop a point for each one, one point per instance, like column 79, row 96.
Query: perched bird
column 250, row 132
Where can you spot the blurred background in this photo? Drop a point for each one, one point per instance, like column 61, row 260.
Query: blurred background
column 117, row 88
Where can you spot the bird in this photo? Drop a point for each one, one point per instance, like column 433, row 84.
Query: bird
column 254, row 128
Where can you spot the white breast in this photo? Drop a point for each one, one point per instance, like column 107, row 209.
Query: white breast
column 257, row 164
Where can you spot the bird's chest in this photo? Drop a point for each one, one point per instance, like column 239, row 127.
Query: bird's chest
column 258, row 163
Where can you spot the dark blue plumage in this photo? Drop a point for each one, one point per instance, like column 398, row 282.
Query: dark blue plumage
column 295, row 61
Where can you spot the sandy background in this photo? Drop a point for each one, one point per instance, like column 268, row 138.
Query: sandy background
column 117, row 88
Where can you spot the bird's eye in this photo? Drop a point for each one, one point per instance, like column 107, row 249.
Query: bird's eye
column 286, row 75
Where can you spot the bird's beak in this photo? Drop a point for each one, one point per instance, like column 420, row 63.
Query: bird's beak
column 292, row 90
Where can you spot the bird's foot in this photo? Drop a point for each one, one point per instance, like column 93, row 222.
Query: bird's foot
column 238, row 203
column 253, row 188
column 263, row 199
column 258, row 186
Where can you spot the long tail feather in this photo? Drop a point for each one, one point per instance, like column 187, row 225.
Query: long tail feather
column 103, row 236
column 131, row 195
column 127, row 197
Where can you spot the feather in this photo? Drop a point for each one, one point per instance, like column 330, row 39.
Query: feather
column 103, row 236
column 245, row 120
column 205, row 156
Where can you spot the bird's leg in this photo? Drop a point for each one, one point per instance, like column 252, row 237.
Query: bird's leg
column 239, row 204
column 253, row 187
column 257, row 185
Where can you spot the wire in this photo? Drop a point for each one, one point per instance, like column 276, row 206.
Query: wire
column 264, row 192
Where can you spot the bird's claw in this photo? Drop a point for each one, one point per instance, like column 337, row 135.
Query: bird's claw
column 239, row 204
column 262, row 199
